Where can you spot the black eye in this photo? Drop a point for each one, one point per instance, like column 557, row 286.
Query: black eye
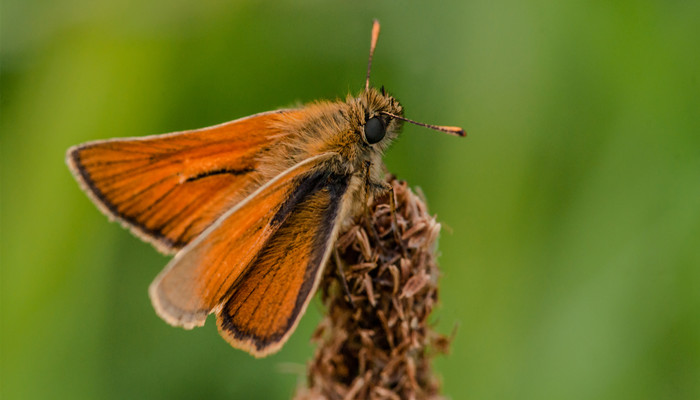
column 374, row 130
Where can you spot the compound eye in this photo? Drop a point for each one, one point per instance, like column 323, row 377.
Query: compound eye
column 374, row 130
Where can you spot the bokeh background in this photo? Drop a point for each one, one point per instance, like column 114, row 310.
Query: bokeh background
column 571, row 254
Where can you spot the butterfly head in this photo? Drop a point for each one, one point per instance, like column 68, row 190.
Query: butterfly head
column 374, row 109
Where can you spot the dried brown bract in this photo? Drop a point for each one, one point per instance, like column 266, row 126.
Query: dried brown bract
column 380, row 345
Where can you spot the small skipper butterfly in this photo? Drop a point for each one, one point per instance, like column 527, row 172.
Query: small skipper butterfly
column 250, row 208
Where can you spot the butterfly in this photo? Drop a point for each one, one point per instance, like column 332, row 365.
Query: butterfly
column 249, row 208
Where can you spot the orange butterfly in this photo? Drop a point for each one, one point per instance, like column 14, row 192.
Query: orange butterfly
column 250, row 208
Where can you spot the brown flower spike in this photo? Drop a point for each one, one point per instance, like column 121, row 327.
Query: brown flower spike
column 380, row 344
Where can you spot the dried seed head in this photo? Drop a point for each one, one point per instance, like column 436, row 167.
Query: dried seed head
column 382, row 347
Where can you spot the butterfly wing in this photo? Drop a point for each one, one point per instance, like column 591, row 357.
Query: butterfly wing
column 275, row 220
column 168, row 188
column 264, row 306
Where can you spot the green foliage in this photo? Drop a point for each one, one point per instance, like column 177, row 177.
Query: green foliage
column 572, row 264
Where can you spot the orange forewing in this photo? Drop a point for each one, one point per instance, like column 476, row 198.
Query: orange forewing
column 265, row 305
column 201, row 276
column 169, row 188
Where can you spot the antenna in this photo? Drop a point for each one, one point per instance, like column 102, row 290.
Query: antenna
column 373, row 44
column 452, row 130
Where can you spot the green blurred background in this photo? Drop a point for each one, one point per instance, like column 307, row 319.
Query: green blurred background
column 571, row 263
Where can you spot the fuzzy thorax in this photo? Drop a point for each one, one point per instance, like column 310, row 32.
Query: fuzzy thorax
column 338, row 127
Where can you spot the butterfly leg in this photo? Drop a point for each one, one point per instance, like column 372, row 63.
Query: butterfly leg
column 369, row 185
column 394, row 220
column 341, row 276
column 383, row 188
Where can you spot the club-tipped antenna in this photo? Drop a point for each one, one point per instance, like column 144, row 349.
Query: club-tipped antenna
column 452, row 130
column 373, row 44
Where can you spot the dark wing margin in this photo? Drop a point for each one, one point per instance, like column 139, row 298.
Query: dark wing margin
column 264, row 306
column 168, row 188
